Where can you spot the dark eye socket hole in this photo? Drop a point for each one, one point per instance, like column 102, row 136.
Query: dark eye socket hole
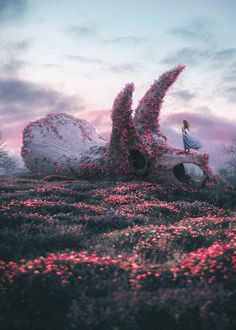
column 188, row 173
column 180, row 173
column 137, row 159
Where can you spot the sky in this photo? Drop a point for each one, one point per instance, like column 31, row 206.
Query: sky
column 75, row 56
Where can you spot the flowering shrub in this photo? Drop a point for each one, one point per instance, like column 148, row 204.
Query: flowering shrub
column 64, row 267
column 159, row 241
column 216, row 263
column 106, row 254
column 196, row 209
column 50, row 207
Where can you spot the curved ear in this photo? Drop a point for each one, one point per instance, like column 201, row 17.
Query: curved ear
column 148, row 111
column 122, row 122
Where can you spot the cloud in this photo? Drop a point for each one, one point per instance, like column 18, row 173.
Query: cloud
column 121, row 68
column 203, row 111
column 26, row 93
column 229, row 92
column 199, row 29
column 12, row 67
column 101, row 120
column 24, row 101
column 10, row 9
column 12, row 52
column 226, row 86
column 125, row 68
column 14, row 49
column 184, row 95
column 82, row 30
column 229, row 74
column 83, row 59
column 23, row 45
column 198, row 55
column 224, row 54
column 189, row 34
column 128, row 40
column 188, row 56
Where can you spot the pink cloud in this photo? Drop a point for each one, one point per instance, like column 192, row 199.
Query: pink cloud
column 13, row 137
column 101, row 120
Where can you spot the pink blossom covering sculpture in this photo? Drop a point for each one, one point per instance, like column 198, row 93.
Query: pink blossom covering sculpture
column 60, row 143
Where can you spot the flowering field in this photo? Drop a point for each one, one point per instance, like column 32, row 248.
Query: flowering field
column 116, row 255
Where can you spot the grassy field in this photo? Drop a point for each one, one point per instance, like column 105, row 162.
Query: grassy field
column 112, row 255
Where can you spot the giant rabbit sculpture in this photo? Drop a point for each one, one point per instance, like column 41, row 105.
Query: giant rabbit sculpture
column 60, row 143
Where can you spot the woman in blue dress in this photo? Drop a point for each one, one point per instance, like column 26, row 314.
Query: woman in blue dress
column 189, row 141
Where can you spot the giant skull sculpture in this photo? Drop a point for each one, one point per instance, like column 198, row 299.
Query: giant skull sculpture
column 60, row 143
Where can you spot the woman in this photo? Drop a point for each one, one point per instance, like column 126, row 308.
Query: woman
column 190, row 142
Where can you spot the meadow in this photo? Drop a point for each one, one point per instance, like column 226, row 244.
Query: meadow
column 116, row 254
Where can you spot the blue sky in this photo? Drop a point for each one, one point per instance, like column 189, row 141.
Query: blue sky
column 74, row 56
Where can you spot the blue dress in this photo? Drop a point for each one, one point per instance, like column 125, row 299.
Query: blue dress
column 189, row 141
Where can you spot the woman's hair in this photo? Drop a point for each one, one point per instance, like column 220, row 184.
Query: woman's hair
column 186, row 124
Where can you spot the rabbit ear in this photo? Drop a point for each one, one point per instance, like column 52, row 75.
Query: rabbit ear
column 122, row 123
column 148, row 111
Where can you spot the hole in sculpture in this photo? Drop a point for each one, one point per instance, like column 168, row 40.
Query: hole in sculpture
column 189, row 173
column 138, row 160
